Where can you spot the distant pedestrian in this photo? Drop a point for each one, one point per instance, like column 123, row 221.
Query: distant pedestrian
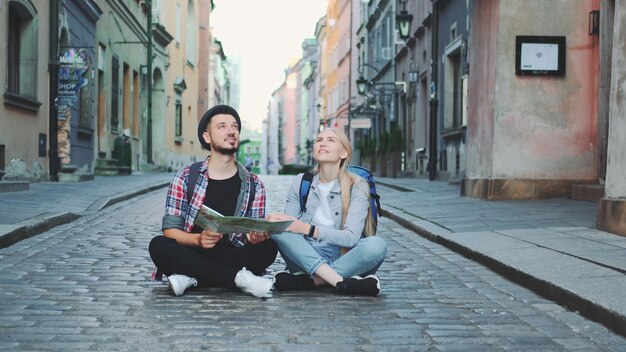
column 331, row 240
column 189, row 255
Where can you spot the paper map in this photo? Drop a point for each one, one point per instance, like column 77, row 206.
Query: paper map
column 209, row 219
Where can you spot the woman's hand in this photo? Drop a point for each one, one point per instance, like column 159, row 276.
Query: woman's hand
column 257, row 237
column 208, row 239
column 296, row 226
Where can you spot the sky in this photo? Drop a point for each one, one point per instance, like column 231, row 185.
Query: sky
column 265, row 35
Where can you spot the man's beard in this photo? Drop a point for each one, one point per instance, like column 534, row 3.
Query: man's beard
column 225, row 151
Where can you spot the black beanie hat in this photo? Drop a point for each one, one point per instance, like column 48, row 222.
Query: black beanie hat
column 206, row 118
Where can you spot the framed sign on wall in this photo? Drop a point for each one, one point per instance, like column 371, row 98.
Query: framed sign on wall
column 539, row 55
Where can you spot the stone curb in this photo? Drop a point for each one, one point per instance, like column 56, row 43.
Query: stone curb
column 105, row 202
column 34, row 226
column 396, row 187
column 613, row 320
column 13, row 186
column 37, row 225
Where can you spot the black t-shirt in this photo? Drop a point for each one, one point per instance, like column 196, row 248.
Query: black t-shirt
column 221, row 196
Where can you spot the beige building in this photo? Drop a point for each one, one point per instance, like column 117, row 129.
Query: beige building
column 336, row 64
column 180, row 146
column 24, row 112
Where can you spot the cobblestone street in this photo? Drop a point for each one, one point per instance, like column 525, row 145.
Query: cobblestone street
column 86, row 286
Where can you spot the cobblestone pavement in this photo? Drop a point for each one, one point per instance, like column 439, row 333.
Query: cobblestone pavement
column 85, row 286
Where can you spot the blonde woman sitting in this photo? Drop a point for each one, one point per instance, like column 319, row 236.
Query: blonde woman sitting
column 331, row 241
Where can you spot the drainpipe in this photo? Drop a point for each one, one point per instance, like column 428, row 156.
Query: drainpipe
column 149, row 68
column 350, row 136
column 53, row 69
column 434, row 103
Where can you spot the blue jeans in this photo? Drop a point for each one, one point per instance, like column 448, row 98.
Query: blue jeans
column 303, row 253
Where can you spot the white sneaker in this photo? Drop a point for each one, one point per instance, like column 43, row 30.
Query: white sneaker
column 179, row 283
column 254, row 285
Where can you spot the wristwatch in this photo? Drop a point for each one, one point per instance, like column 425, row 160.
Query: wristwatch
column 311, row 231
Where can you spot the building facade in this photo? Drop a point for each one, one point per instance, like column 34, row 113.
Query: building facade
column 76, row 116
column 413, row 67
column 612, row 116
column 272, row 143
column 24, row 113
column 381, row 144
column 450, row 55
column 122, row 80
column 531, row 136
column 180, row 146
column 537, row 135
column 336, row 72
column 307, row 117
column 502, row 129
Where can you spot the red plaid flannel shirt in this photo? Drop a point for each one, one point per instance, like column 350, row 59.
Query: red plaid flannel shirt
column 176, row 201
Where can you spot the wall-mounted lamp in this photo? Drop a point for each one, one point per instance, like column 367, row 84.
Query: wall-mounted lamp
column 403, row 22
column 384, row 88
column 594, row 22
column 361, row 85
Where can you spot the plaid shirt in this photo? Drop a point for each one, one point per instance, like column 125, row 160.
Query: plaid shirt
column 180, row 214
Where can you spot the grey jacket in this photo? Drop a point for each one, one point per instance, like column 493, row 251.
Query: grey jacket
column 355, row 219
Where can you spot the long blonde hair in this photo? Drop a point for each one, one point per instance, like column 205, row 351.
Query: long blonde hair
column 346, row 180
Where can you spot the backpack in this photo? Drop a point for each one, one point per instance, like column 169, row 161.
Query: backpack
column 194, row 173
column 307, row 178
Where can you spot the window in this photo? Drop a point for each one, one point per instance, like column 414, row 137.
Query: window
column 22, row 55
column 179, row 119
column 126, row 96
column 453, row 86
column 457, row 91
column 453, row 32
column 115, row 82
column 85, row 103
column 135, row 103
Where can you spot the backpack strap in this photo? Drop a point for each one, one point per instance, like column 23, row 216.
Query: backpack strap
column 305, row 187
column 194, row 173
column 376, row 197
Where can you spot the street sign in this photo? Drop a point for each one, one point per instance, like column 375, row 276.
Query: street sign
column 361, row 123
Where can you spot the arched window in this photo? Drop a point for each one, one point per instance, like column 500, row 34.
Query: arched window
column 22, row 49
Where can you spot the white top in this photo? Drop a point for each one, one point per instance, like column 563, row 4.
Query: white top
column 323, row 215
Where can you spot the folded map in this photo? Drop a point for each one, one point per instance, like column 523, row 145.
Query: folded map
column 209, row 219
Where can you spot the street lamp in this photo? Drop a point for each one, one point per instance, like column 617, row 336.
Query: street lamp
column 403, row 21
column 361, row 85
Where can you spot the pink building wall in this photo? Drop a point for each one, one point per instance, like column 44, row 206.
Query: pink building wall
column 531, row 130
column 290, row 135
